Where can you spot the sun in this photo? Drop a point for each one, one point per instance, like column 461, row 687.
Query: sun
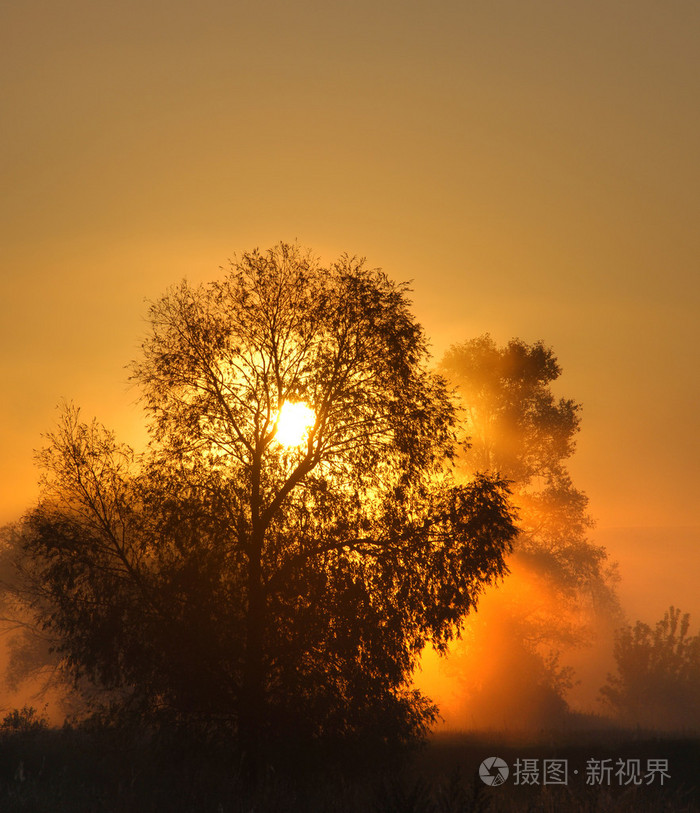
column 293, row 423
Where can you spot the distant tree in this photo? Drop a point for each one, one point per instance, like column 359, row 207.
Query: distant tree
column 223, row 574
column 658, row 674
column 518, row 429
column 24, row 719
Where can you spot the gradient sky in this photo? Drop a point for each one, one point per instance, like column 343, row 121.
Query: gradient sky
column 533, row 167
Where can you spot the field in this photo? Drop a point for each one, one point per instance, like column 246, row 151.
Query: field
column 82, row 771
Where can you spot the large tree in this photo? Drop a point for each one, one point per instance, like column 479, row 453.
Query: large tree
column 560, row 585
column 231, row 571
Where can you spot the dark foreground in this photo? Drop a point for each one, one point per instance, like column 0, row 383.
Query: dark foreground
column 98, row 771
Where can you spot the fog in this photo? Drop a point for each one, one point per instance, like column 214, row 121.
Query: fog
column 492, row 682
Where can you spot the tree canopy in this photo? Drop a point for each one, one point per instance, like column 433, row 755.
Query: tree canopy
column 223, row 574
column 516, row 424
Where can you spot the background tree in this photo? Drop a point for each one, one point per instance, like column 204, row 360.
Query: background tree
column 560, row 584
column 658, row 674
column 225, row 574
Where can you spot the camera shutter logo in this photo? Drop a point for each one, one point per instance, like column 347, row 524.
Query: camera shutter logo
column 493, row 771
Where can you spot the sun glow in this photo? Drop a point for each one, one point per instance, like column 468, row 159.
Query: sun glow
column 293, row 423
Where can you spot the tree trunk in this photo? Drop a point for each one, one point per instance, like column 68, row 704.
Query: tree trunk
column 252, row 711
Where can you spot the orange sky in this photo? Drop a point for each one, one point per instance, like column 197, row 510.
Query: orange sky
column 532, row 167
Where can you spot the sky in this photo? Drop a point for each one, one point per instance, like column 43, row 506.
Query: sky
column 533, row 169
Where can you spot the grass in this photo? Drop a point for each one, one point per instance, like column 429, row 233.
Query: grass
column 76, row 770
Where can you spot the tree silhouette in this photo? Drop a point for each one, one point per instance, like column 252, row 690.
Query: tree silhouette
column 658, row 674
column 279, row 588
column 559, row 580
